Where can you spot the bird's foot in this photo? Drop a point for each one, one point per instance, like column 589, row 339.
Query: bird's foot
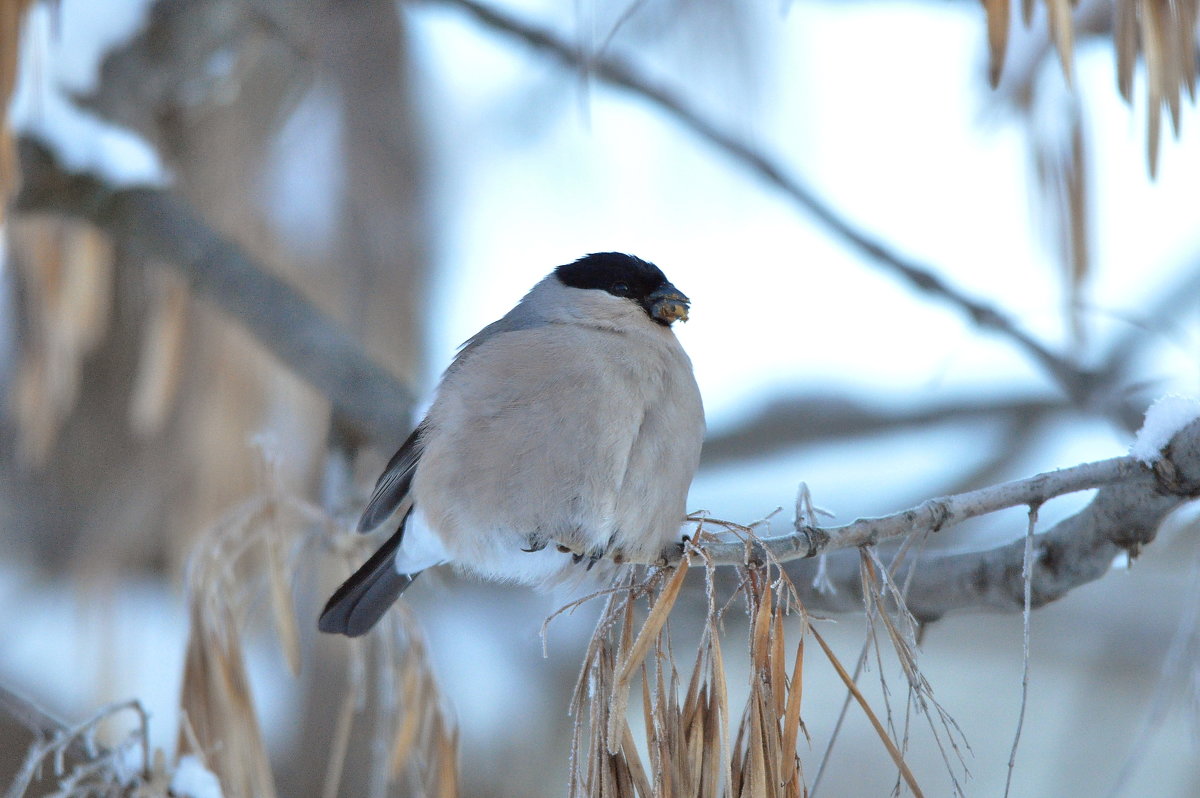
column 534, row 543
column 673, row 553
column 592, row 555
column 595, row 556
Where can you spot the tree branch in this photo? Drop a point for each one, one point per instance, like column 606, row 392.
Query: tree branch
column 1146, row 493
column 1078, row 383
column 165, row 230
column 932, row 515
column 1124, row 516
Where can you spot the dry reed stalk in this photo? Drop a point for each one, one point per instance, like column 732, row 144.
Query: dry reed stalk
column 424, row 742
column 893, row 751
column 253, row 553
column 884, row 605
column 997, row 12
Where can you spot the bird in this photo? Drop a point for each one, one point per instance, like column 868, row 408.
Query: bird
column 568, row 430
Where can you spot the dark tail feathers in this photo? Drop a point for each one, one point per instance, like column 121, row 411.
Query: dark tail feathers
column 362, row 599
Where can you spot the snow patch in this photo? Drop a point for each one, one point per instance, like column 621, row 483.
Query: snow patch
column 41, row 106
column 1166, row 416
column 84, row 33
column 192, row 780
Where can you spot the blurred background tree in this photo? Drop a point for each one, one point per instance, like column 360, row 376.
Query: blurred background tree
column 926, row 255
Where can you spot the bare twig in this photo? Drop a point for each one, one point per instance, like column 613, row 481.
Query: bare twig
column 897, row 757
column 936, row 514
column 1077, row 382
column 96, row 762
column 1027, row 580
column 1122, row 518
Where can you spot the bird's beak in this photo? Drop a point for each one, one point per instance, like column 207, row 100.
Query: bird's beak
column 668, row 304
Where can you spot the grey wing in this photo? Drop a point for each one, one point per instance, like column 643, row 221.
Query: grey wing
column 394, row 483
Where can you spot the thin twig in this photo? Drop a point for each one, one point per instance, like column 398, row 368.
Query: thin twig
column 931, row 515
column 897, row 757
column 1122, row 517
column 1076, row 382
column 841, row 719
column 1027, row 576
column 77, row 739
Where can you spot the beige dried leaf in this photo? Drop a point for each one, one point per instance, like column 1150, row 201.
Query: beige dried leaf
column 1062, row 31
column 633, row 659
column 1125, row 40
column 1152, row 53
column 161, row 360
column 793, row 773
column 997, row 12
column 406, row 733
column 280, row 592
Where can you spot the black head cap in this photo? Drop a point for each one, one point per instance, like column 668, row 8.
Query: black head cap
column 618, row 274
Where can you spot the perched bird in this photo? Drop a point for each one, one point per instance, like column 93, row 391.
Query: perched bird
column 568, row 430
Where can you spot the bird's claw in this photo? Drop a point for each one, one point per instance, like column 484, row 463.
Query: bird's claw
column 594, row 554
column 535, row 544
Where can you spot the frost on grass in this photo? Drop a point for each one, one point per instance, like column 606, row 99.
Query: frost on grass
column 1165, row 417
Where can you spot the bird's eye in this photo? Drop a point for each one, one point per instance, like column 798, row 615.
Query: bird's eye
column 619, row 289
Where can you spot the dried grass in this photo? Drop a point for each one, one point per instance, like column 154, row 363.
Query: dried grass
column 694, row 746
column 161, row 360
column 1163, row 33
column 243, row 569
